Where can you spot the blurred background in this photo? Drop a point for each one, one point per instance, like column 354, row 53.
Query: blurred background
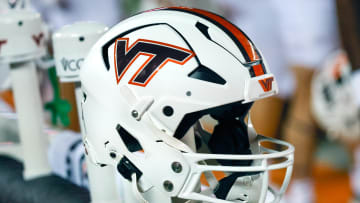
column 313, row 49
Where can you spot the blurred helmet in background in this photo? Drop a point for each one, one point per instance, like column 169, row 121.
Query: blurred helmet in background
column 333, row 98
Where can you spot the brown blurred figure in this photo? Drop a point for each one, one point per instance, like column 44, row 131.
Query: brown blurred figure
column 349, row 15
column 295, row 37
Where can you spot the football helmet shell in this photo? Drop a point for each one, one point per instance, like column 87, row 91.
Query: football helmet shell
column 70, row 43
column 6, row 5
column 149, row 79
column 21, row 28
column 333, row 101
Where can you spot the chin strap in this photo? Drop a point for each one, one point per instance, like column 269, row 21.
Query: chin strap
column 136, row 190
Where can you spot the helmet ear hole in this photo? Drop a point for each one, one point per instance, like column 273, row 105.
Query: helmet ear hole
column 131, row 143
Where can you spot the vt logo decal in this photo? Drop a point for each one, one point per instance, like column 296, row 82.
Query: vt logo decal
column 266, row 84
column 158, row 54
column 37, row 38
column 12, row 4
column 2, row 42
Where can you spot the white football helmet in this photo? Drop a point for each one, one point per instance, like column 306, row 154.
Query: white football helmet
column 6, row 5
column 333, row 98
column 149, row 80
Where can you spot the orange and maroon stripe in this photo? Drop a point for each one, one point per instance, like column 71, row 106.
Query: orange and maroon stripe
column 240, row 39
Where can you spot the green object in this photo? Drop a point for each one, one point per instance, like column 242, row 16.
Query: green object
column 59, row 108
column 334, row 153
column 131, row 7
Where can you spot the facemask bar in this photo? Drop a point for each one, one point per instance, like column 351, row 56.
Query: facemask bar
column 253, row 135
column 265, row 155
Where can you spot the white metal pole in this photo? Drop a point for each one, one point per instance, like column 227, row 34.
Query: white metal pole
column 29, row 110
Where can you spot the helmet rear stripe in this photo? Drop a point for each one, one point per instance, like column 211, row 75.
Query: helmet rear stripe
column 241, row 40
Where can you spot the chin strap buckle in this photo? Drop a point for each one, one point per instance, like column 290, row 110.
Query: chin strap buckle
column 130, row 172
column 126, row 168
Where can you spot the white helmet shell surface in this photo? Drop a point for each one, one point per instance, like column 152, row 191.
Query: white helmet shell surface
column 71, row 45
column 333, row 100
column 6, row 5
column 150, row 78
column 21, row 36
